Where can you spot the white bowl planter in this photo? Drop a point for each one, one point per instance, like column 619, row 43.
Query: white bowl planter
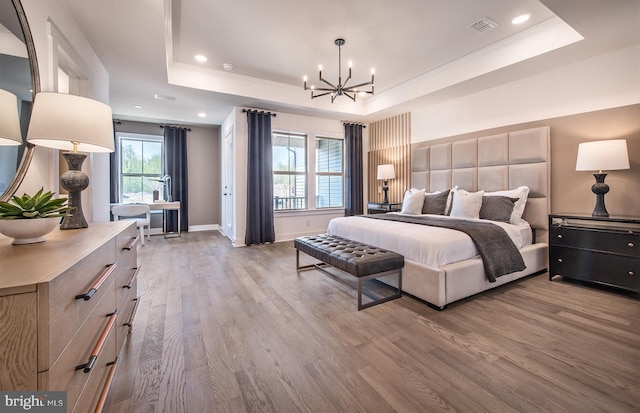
column 27, row 231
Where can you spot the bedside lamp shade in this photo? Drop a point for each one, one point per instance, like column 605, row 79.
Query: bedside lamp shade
column 601, row 156
column 386, row 172
column 9, row 120
column 73, row 123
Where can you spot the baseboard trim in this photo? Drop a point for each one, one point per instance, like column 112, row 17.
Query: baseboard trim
column 211, row 227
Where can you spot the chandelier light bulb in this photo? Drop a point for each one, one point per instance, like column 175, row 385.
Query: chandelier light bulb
column 350, row 64
column 304, row 78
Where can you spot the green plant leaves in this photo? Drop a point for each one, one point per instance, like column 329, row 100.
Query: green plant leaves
column 40, row 205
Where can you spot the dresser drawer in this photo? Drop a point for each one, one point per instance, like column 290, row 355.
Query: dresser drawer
column 126, row 281
column 609, row 269
column 62, row 313
column 125, row 320
column 618, row 241
column 92, row 390
column 63, row 375
column 125, row 247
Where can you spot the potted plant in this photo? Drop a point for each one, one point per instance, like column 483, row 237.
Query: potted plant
column 27, row 219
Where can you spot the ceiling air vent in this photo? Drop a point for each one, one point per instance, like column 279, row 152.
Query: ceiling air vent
column 483, row 25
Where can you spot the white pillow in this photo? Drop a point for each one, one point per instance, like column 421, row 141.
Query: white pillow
column 412, row 202
column 521, row 192
column 466, row 204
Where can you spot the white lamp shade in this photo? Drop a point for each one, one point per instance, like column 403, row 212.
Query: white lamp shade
column 608, row 155
column 58, row 120
column 386, row 172
column 9, row 119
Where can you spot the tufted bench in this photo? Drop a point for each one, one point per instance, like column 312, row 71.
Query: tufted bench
column 363, row 261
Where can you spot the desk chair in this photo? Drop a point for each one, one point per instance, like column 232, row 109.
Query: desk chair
column 134, row 212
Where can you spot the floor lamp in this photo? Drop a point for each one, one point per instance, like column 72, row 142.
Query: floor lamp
column 74, row 124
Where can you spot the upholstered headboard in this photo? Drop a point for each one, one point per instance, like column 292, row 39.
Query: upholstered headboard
column 492, row 163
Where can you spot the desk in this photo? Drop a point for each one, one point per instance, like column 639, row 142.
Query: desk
column 164, row 206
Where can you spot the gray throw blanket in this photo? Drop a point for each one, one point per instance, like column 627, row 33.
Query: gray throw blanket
column 499, row 254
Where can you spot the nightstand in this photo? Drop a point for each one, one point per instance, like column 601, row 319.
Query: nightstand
column 595, row 249
column 380, row 208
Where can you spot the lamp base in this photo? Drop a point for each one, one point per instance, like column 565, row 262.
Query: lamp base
column 74, row 181
column 600, row 188
column 385, row 190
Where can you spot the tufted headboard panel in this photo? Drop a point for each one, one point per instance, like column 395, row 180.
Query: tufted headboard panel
column 492, row 163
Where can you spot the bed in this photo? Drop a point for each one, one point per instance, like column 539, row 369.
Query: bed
column 440, row 274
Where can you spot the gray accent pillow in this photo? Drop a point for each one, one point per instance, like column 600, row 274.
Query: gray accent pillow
column 435, row 203
column 497, row 208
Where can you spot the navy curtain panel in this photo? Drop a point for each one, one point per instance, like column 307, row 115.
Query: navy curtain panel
column 113, row 171
column 260, row 228
column 175, row 165
column 354, row 205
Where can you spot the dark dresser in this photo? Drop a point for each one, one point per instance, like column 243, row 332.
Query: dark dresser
column 380, row 208
column 595, row 249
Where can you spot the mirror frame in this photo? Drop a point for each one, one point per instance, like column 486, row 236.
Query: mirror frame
column 35, row 84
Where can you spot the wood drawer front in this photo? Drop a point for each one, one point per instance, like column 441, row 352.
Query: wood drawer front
column 125, row 318
column 18, row 342
column 615, row 270
column 63, row 374
column 61, row 314
column 89, row 397
column 123, row 240
column 620, row 242
column 126, row 282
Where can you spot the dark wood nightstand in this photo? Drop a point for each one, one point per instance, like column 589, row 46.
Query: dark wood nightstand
column 380, row 208
column 595, row 249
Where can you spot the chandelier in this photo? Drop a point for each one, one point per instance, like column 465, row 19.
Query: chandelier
column 341, row 89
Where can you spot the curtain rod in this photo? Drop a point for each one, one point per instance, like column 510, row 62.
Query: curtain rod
column 258, row 111
column 175, row 126
column 346, row 122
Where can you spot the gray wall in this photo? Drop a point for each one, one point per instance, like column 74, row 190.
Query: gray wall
column 203, row 157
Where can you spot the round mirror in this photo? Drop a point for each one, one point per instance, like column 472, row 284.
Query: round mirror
column 19, row 83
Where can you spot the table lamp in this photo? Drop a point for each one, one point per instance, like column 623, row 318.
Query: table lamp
column 72, row 123
column 608, row 155
column 10, row 134
column 386, row 172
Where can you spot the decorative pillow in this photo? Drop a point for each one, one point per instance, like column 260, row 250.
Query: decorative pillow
column 466, row 204
column 412, row 202
column 435, row 202
column 521, row 192
column 447, row 209
column 497, row 208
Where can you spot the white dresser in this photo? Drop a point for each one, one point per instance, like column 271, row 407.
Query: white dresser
column 66, row 307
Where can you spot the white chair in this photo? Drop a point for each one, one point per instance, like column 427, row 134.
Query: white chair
column 134, row 212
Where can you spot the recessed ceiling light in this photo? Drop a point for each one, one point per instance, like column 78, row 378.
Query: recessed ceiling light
column 521, row 18
column 202, row 114
column 137, row 106
column 201, row 58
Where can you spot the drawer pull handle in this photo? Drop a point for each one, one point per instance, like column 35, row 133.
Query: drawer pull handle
column 133, row 313
column 560, row 236
column 109, row 269
column 107, row 385
column 559, row 259
column 131, row 243
column 132, row 279
column 631, row 273
column 631, row 244
column 97, row 349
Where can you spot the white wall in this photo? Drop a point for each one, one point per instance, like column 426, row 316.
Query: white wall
column 606, row 81
column 52, row 27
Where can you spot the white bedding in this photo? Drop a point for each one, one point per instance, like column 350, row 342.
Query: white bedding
column 432, row 246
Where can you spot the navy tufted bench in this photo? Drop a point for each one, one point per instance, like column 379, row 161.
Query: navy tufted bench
column 363, row 261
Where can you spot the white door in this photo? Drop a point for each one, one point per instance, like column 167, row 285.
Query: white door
column 228, row 215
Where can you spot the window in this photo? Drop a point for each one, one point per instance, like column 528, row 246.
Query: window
column 289, row 171
column 329, row 173
column 141, row 158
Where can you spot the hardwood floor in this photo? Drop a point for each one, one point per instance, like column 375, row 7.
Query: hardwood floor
column 223, row 329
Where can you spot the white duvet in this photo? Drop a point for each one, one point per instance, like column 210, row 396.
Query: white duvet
column 432, row 246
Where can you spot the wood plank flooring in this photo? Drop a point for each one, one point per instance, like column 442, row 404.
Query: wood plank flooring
column 223, row 329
